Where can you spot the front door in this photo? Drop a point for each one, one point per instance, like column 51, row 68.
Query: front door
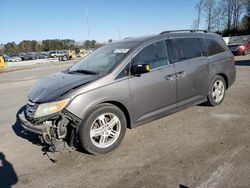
column 155, row 92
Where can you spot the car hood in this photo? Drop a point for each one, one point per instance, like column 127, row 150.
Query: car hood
column 50, row 88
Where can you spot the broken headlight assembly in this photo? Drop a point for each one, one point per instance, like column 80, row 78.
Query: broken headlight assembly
column 50, row 108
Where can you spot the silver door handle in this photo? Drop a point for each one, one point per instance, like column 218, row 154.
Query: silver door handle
column 181, row 74
column 171, row 77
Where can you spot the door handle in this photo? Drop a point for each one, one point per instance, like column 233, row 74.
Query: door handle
column 181, row 74
column 171, row 77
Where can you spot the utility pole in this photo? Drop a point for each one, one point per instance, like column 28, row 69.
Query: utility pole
column 87, row 21
column 119, row 34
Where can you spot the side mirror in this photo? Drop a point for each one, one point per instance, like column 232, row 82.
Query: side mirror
column 139, row 69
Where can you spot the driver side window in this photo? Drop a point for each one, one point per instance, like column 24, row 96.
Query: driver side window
column 154, row 54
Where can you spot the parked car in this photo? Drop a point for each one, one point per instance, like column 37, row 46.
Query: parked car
column 6, row 58
column 42, row 56
column 54, row 54
column 15, row 59
column 239, row 45
column 26, row 57
column 128, row 83
column 33, row 56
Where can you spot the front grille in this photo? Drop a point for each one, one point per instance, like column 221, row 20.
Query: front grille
column 30, row 110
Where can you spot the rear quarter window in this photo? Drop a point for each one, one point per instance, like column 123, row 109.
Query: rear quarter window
column 211, row 47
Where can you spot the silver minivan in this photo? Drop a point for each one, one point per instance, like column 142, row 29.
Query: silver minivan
column 128, row 83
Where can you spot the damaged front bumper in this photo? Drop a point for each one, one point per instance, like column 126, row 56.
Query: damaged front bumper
column 40, row 130
column 61, row 127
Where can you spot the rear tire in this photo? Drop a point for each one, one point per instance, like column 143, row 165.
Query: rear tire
column 217, row 91
column 103, row 129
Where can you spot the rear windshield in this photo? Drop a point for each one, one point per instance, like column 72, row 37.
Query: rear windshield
column 104, row 59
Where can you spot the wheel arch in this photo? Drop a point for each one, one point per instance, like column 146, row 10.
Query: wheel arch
column 123, row 109
column 224, row 76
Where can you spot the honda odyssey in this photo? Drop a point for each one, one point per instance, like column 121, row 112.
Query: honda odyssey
column 128, row 83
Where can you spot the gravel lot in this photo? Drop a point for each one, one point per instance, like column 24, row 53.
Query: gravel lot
column 197, row 147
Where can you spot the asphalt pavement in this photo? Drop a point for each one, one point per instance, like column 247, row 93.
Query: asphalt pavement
column 197, row 147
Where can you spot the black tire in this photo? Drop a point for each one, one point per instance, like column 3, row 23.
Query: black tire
column 65, row 58
column 211, row 101
column 84, row 130
column 245, row 52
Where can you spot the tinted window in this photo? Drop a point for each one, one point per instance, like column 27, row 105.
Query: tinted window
column 211, row 47
column 155, row 55
column 185, row 49
column 172, row 55
column 190, row 48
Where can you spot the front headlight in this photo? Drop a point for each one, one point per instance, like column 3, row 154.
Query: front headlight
column 50, row 108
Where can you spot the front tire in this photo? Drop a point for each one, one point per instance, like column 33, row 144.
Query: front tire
column 217, row 91
column 103, row 129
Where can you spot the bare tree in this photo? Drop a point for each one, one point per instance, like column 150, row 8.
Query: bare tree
column 194, row 25
column 229, row 13
column 209, row 10
column 237, row 10
column 220, row 21
column 199, row 8
column 230, row 7
column 233, row 10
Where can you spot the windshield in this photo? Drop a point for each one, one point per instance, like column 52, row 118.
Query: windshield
column 103, row 59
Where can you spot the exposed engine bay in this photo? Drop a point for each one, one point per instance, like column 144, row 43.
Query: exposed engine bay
column 57, row 130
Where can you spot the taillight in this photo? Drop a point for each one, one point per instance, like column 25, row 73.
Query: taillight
column 241, row 48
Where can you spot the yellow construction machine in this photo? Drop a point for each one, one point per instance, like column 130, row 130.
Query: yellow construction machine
column 72, row 54
column 2, row 63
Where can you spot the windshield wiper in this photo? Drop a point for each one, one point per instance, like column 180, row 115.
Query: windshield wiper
column 83, row 71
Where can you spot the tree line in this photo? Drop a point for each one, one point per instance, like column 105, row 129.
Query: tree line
column 46, row 45
column 226, row 17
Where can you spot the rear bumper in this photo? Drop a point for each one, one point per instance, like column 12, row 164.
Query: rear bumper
column 37, row 129
column 231, row 76
column 237, row 53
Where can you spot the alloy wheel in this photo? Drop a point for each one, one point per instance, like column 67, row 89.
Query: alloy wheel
column 218, row 91
column 105, row 130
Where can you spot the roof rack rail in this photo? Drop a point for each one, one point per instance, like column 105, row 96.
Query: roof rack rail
column 128, row 38
column 180, row 31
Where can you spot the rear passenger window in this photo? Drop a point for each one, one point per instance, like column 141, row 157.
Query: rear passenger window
column 211, row 47
column 154, row 54
column 190, row 48
column 184, row 48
